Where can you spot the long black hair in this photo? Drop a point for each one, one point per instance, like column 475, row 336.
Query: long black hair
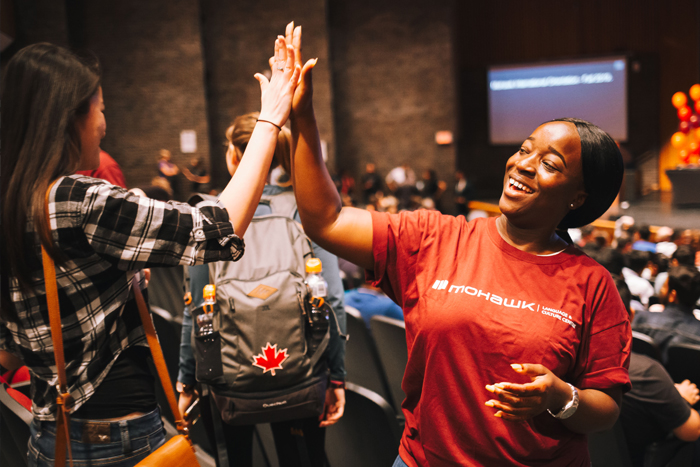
column 45, row 89
column 603, row 169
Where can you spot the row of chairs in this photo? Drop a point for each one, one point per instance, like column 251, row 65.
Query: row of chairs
column 682, row 361
column 376, row 358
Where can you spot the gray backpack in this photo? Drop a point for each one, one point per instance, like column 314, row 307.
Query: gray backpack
column 258, row 362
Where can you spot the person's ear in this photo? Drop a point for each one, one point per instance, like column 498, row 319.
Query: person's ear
column 672, row 296
column 578, row 200
column 233, row 158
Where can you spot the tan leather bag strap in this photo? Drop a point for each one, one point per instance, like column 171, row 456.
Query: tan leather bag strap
column 64, row 399
column 158, row 358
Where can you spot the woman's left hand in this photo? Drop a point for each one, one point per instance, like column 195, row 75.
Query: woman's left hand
column 524, row 401
column 334, row 407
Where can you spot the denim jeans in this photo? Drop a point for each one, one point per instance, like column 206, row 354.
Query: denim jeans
column 122, row 443
column 399, row 462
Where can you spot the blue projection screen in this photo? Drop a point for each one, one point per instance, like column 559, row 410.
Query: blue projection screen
column 523, row 97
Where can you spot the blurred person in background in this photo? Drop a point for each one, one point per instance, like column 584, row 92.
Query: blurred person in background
column 371, row 183
column 108, row 170
column 463, row 193
column 676, row 324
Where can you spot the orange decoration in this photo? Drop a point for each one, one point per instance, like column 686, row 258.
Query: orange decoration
column 697, row 106
column 695, row 92
column 679, row 100
column 684, row 113
column 683, row 154
column 694, row 147
column 678, row 140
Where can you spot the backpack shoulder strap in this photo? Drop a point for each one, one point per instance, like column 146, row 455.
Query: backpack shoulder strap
column 282, row 204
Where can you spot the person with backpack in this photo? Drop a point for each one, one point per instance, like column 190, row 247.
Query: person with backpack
column 275, row 364
column 94, row 238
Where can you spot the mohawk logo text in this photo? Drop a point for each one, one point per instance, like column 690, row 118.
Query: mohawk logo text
column 506, row 302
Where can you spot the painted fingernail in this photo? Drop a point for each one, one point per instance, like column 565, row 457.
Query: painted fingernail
column 516, row 366
column 489, row 388
column 490, row 404
column 498, row 414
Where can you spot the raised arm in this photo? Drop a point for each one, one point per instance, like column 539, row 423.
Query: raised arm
column 344, row 231
column 241, row 195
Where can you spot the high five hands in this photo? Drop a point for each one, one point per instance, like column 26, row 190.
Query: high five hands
column 523, row 401
column 277, row 93
column 302, row 100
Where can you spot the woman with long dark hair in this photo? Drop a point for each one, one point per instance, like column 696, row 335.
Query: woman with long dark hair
column 100, row 236
column 518, row 343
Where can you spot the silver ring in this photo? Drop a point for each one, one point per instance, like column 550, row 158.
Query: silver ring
column 280, row 68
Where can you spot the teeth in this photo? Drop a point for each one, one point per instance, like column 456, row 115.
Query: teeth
column 519, row 185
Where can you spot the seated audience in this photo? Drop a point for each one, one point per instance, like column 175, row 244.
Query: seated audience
column 656, row 407
column 641, row 240
column 664, row 244
column 371, row 301
column 641, row 289
column 676, row 324
column 684, row 254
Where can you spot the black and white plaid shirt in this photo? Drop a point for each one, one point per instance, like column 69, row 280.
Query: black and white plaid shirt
column 106, row 234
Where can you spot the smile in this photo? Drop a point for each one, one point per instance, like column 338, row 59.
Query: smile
column 519, row 186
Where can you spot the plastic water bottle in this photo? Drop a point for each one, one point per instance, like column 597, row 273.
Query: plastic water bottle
column 319, row 309
column 205, row 320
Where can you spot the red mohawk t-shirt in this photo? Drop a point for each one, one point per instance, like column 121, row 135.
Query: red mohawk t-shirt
column 473, row 305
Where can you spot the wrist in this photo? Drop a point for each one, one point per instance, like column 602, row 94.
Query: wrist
column 336, row 384
column 570, row 405
column 303, row 118
column 562, row 397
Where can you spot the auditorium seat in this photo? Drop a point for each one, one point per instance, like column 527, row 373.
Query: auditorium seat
column 361, row 359
column 390, row 338
column 367, row 435
column 609, row 448
column 645, row 345
column 683, row 362
column 15, row 417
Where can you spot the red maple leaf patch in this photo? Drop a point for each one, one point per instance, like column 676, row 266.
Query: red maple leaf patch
column 271, row 359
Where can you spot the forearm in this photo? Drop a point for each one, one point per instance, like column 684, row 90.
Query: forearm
column 311, row 179
column 597, row 411
column 241, row 195
column 345, row 232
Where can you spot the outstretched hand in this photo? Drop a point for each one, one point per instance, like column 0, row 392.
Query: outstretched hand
column 302, row 102
column 277, row 93
column 524, row 401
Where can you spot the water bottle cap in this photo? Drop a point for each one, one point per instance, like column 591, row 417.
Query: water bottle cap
column 209, row 291
column 313, row 265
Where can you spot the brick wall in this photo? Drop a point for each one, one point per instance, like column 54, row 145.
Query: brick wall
column 393, row 83
column 238, row 39
column 153, row 80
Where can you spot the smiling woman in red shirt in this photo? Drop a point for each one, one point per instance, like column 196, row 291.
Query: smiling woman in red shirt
column 518, row 343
